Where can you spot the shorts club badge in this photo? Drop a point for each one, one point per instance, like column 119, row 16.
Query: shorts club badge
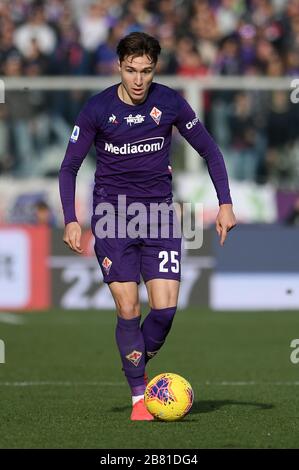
column 107, row 263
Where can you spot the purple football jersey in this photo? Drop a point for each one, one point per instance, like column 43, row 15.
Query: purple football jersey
column 132, row 147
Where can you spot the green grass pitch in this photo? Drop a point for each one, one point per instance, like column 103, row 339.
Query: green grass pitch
column 62, row 384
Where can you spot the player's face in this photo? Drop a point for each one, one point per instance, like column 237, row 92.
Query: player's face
column 137, row 74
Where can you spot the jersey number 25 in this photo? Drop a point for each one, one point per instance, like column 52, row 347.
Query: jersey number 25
column 174, row 262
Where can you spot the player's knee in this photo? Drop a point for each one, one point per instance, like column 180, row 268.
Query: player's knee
column 128, row 310
column 166, row 297
column 161, row 305
column 168, row 301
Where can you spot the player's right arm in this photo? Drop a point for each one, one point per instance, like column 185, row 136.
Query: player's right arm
column 80, row 142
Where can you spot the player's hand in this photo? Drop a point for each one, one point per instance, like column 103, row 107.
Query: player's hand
column 72, row 236
column 225, row 221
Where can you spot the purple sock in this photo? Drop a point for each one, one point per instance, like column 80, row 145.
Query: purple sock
column 155, row 328
column 130, row 343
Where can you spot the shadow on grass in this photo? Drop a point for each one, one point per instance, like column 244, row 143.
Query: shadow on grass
column 120, row 409
column 208, row 406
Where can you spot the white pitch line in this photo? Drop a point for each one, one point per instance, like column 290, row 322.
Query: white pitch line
column 233, row 383
column 240, row 383
column 118, row 384
column 63, row 384
column 11, row 318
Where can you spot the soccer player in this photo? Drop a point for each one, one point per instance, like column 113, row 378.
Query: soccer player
column 130, row 125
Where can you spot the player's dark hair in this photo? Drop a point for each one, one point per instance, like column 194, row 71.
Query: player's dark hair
column 137, row 44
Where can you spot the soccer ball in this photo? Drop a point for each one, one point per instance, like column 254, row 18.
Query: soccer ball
column 168, row 397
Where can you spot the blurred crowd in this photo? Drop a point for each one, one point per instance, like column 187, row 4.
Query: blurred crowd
column 198, row 37
column 256, row 131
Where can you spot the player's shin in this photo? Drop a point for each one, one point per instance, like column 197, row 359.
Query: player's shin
column 155, row 328
column 131, row 346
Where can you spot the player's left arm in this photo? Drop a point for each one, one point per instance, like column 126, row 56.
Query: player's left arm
column 225, row 221
column 197, row 135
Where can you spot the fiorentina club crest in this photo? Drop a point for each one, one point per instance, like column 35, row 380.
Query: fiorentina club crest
column 107, row 263
column 134, row 357
column 156, row 114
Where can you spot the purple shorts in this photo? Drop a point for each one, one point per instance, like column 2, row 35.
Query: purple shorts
column 125, row 249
